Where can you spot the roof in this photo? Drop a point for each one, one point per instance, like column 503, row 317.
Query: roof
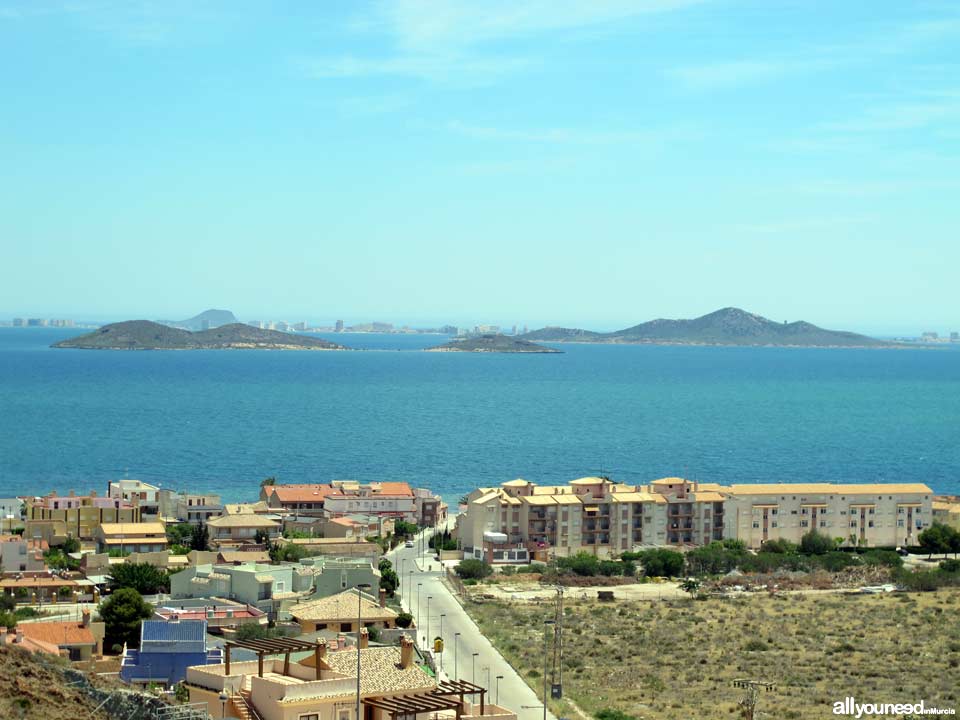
column 241, row 556
column 588, row 481
column 830, row 489
column 632, row 497
column 946, row 506
column 342, row 606
column 180, row 631
column 519, row 482
column 241, row 520
column 539, row 500
column 146, row 666
column 701, row 496
column 245, row 508
column 143, row 528
column 346, row 522
column 300, row 493
column 58, row 633
column 380, row 671
column 668, row 481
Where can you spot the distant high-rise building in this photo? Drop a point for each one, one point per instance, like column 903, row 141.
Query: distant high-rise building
column 255, row 323
column 281, row 326
column 300, row 326
column 513, row 330
column 524, row 329
column 339, row 327
column 36, row 322
column 929, row 335
column 19, row 322
column 955, row 337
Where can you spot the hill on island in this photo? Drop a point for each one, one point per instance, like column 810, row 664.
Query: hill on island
column 206, row 320
column 492, row 344
column 147, row 335
column 729, row 326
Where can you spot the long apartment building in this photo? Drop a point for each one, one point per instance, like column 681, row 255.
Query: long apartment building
column 520, row 520
column 56, row 517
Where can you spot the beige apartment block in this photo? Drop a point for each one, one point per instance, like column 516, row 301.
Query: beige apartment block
column 521, row 521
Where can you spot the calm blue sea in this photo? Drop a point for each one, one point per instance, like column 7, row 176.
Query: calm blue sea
column 223, row 420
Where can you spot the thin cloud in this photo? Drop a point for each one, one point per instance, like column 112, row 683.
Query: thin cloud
column 574, row 136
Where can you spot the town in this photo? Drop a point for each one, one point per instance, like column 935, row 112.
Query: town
column 328, row 600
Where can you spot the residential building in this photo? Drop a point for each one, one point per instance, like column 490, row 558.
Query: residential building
column 219, row 615
column 257, row 508
column 430, row 508
column 241, row 530
column 10, row 637
column 357, row 548
column 139, row 494
column 334, row 575
column 19, row 554
column 167, row 648
column 520, row 520
column 191, row 508
column 56, row 517
column 141, row 537
column 339, row 612
column 946, row 510
column 322, row 686
column 33, row 588
column 263, row 586
column 77, row 640
column 11, row 514
column 393, row 499
column 296, row 499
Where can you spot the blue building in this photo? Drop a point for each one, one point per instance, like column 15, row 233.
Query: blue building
column 167, row 649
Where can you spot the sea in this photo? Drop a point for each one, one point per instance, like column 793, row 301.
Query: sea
column 221, row 421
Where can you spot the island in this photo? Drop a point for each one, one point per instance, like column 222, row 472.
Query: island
column 147, row 335
column 492, row 344
column 729, row 326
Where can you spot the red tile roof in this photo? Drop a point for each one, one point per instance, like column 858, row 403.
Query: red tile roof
column 301, row 493
column 58, row 633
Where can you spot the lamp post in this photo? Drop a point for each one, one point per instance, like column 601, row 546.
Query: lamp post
column 442, row 616
column 546, row 625
column 473, row 669
column 223, row 703
column 429, row 639
column 419, row 585
column 360, row 588
column 400, row 578
column 410, row 588
column 498, row 678
column 456, row 642
column 488, row 678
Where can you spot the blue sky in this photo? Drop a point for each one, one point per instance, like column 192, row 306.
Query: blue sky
column 591, row 163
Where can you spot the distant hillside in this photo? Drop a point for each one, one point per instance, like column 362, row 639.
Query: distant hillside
column 729, row 326
column 493, row 344
column 206, row 320
column 147, row 335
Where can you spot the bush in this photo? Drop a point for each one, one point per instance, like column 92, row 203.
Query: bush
column 782, row 546
column 582, row 563
column 610, row 568
column 886, row 558
column 950, row 566
column 145, row 578
column 473, row 569
column 814, row 543
column 404, row 620
column 755, row 645
column 662, row 562
column 610, row 714
column 509, row 570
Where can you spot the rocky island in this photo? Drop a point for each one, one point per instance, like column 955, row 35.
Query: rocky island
column 729, row 326
column 492, row 344
column 147, row 335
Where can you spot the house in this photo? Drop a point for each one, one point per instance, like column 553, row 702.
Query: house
column 167, row 648
column 219, row 614
column 34, row 588
column 263, row 586
column 339, row 612
column 946, row 510
column 338, row 547
column 256, row 508
column 141, row 537
column 77, row 640
column 56, row 517
column 430, row 508
column 345, row 528
column 11, row 514
column 334, row 575
column 322, row 685
column 10, row 637
column 392, row 499
column 139, row 494
column 234, row 531
column 18, row 554
column 191, row 508
column 296, row 499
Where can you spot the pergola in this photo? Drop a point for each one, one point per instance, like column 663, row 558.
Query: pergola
column 448, row 695
column 274, row 646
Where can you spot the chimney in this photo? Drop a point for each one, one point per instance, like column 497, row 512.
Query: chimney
column 341, row 642
column 19, row 639
column 364, row 638
column 383, row 598
column 93, row 493
column 73, row 494
column 86, row 618
column 406, row 653
column 322, row 648
column 3, row 633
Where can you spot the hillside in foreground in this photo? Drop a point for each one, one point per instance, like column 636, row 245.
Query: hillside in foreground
column 147, row 335
column 729, row 326
column 492, row 344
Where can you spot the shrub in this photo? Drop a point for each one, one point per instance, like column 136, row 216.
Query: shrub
column 509, row 570
column 814, row 543
column 610, row 568
column 473, row 569
column 886, row 558
column 661, row 561
column 755, row 645
column 145, row 578
column 779, row 545
column 950, row 566
column 404, row 620
column 611, row 714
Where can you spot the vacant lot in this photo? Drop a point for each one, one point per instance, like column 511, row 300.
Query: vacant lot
column 676, row 659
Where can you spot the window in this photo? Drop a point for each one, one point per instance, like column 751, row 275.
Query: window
column 870, row 523
column 823, row 523
column 755, row 524
column 312, row 716
column 804, row 523
column 899, row 523
column 853, row 523
column 773, row 524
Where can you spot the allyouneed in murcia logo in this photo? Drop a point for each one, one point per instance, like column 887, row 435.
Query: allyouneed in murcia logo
column 850, row 706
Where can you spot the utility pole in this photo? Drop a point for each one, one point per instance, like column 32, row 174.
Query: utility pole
column 752, row 696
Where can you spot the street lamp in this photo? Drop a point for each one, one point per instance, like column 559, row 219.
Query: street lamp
column 223, row 703
column 498, row 678
column 410, row 586
column 473, row 669
column 442, row 616
column 360, row 588
column 429, row 639
column 400, row 578
column 419, row 585
column 488, row 678
column 546, row 625
column 456, row 642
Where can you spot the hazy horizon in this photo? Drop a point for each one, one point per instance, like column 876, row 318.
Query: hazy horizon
column 588, row 164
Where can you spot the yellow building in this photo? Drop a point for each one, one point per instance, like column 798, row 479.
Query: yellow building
column 56, row 517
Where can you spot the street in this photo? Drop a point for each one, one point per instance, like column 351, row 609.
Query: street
column 469, row 656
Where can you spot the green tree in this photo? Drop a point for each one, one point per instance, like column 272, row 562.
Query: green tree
column 8, row 619
column 145, row 578
column 779, row 545
column 179, row 533
column 261, row 537
column 691, row 585
column 122, row 614
column 402, row 528
column 70, row 545
column 936, row 539
column 582, row 563
column 268, row 481
column 200, row 537
column 404, row 620
column 814, row 543
column 473, row 569
column 661, row 562
column 388, row 577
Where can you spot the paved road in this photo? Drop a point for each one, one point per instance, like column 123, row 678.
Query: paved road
column 458, row 657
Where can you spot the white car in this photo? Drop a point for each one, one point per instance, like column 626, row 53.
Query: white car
column 408, row 543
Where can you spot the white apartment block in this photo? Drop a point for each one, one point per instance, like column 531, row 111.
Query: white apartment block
column 520, row 520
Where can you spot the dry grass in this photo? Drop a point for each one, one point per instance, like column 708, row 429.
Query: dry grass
column 676, row 659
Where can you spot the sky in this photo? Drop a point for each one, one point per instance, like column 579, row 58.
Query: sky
column 589, row 163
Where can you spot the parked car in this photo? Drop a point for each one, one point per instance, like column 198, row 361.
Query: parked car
column 408, row 543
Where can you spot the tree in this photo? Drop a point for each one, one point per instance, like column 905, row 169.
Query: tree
column 779, row 545
column 661, row 562
column 388, row 577
column 179, row 534
column 8, row 619
column 122, row 614
column 936, row 539
column 691, row 585
column 261, row 537
column 582, row 563
column 70, row 545
column 404, row 620
column 473, row 569
column 402, row 528
column 268, row 481
column 200, row 538
column 145, row 578
column 814, row 543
